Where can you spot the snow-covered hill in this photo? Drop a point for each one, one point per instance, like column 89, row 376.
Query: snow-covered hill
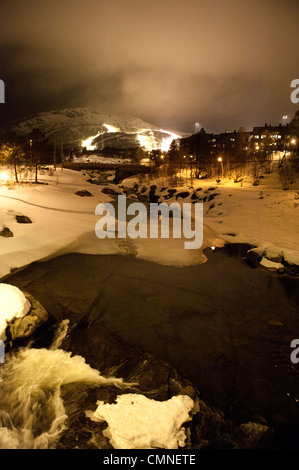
column 78, row 127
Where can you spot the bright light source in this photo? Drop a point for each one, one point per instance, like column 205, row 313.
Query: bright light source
column 111, row 129
column 88, row 142
column 4, row 177
column 212, row 247
column 166, row 142
column 219, row 159
column 293, row 141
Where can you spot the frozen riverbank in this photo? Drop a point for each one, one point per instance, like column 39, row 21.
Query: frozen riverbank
column 266, row 217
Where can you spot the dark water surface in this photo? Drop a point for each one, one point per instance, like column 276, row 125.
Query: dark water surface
column 222, row 324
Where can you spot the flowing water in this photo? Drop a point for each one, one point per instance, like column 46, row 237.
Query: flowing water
column 223, row 325
column 32, row 414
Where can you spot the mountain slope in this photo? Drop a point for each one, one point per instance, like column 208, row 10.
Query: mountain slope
column 74, row 126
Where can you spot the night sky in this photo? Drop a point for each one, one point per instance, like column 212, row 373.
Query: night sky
column 222, row 63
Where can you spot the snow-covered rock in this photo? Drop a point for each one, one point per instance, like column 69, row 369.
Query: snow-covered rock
column 13, row 304
column 270, row 264
column 25, row 326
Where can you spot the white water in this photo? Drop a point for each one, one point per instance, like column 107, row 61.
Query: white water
column 60, row 334
column 32, row 414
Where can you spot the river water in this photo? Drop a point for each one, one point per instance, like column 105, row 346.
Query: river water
column 223, row 325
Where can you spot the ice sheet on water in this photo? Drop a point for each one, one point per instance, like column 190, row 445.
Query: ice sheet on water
column 137, row 422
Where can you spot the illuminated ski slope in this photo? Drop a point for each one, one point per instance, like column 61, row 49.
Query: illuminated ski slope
column 149, row 139
column 88, row 128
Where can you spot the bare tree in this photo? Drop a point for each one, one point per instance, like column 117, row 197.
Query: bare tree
column 13, row 155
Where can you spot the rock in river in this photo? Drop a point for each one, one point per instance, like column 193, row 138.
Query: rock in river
column 24, row 327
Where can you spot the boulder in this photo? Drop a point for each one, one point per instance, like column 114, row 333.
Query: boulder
column 183, row 194
column 252, row 436
column 6, row 233
column 111, row 191
column 83, row 193
column 212, row 196
column 24, row 327
column 253, row 259
column 23, row 219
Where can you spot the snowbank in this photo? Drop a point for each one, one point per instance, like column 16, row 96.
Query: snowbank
column 137, row 422
column 270, row 264
column 13, row 304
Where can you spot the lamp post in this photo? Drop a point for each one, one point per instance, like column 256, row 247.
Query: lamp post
column 30, row 146
column 220, row 162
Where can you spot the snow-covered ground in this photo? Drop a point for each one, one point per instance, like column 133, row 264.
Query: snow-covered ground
column 62, row 222
column 265, row 216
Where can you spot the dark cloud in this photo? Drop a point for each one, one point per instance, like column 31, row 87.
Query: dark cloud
column 224, row 63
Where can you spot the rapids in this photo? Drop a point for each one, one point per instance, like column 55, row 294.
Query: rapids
column 32, row 414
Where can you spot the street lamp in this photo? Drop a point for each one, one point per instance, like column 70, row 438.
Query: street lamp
column 30, row 144
column 220, row 161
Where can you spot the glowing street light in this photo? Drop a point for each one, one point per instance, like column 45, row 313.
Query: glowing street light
column 4, row 177
column 220, row 161
column 293, row 141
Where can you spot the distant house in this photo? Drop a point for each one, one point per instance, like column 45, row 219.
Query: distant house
column 270, row 138
column 234, row 143
column 203, row 146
